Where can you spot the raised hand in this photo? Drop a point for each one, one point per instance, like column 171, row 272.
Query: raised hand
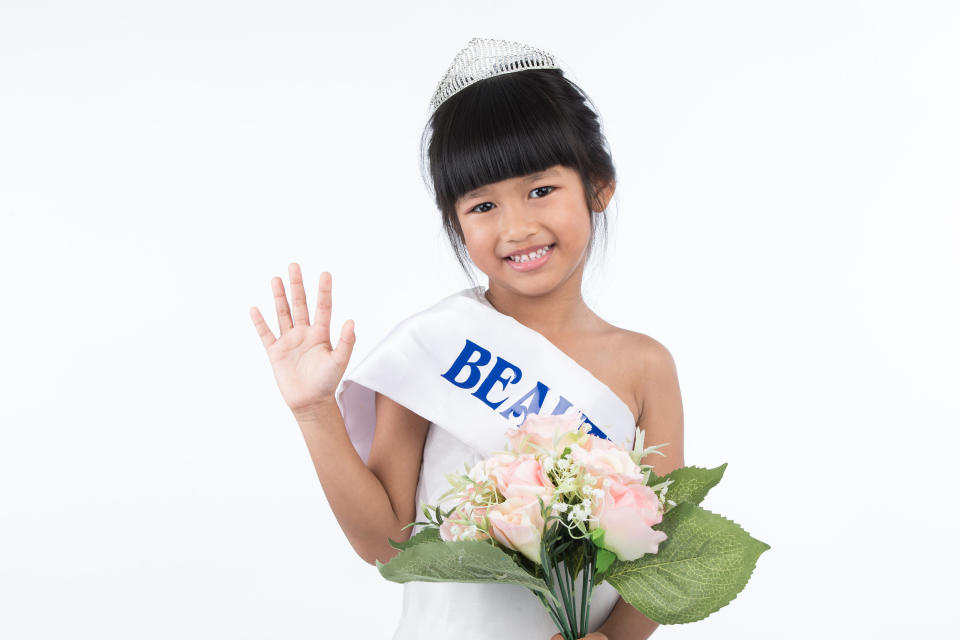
column 307, row 368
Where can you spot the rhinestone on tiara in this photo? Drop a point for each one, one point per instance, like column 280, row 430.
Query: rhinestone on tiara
column 486, row 57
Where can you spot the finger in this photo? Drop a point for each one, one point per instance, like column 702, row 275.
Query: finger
column 321, row 317
column 348, row 338
column 280, row 301
column 300, row 316
column 266, row 336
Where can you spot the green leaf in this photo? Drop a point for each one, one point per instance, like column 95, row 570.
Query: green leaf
column 703, row 564
column 604, row 559
column 430, row 534
column 596, row 536
column 463, row 561
column 604, row 556
column 690, row 484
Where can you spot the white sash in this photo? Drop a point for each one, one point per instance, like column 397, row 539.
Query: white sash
column 474, row 372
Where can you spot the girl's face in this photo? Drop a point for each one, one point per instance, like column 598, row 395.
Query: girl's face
column 543, row 211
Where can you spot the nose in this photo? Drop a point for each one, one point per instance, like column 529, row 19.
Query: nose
column 516, row 223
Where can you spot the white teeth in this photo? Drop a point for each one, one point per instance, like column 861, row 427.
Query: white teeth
column 531, row 256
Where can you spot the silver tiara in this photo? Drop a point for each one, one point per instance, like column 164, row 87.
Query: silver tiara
column 485, row 58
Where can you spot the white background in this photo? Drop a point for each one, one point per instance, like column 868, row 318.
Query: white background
column 786, row 224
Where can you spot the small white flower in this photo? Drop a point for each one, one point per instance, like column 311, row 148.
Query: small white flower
column 548, row 463
column 478, row 472
column 585, row 505
column 577, row 514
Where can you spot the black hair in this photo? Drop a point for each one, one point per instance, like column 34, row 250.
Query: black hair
column 511, row 125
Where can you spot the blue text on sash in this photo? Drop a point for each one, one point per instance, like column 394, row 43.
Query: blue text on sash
column 502, row 374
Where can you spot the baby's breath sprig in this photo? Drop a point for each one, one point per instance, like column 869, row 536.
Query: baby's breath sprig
column 484, row 491
column 639, row 452
column 661, row 490
column 467, row 528
column 575, row 495
column 433, row 520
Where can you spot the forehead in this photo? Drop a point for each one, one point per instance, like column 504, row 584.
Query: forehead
column 556, row 171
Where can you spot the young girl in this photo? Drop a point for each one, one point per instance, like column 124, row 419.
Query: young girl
column 522, row 178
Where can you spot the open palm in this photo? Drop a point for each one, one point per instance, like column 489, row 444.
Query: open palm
column 306, row 366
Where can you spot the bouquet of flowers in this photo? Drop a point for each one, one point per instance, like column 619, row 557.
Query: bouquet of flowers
column 560, row 503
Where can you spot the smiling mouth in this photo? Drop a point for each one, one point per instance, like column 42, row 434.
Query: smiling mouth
column 532, row 261
column 532, row 256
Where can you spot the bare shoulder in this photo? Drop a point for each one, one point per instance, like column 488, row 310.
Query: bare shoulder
column 648, row 358
column 657, row 389
column 651, row 355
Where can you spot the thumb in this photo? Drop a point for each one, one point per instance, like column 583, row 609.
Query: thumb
column 344, row 348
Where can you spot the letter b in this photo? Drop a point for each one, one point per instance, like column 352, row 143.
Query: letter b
column 463, row 362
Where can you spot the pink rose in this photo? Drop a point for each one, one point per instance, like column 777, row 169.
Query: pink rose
column 518, row 524
column 521, row 475
column 462, row 524
column 626, row 510
column 600, row 457
column 541, row 431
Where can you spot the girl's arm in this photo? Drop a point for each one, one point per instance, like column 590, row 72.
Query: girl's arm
column 661, row 416
column 371, row 502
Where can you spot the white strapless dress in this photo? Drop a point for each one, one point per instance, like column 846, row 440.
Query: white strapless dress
column 473, row 372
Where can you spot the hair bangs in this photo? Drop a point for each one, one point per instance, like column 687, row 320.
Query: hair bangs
column 500, row 130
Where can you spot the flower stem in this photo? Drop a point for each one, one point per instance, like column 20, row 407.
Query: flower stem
column 586, row 592
column 567, row 597
column 573, row 599
column 553, row 612
column 550, row 571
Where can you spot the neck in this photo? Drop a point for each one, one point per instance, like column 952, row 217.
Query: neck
column 556, row 313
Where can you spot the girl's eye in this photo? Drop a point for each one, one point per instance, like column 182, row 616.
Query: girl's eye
column 538, row 189
column 480, row 205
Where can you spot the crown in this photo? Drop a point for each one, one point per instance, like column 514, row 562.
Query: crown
column 486, row 57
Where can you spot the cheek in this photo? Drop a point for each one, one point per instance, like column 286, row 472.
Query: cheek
column 479, row 245
column 572, row 237
column 584, row 221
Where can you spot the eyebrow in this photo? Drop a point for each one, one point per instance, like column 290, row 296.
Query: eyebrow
column 533, row 177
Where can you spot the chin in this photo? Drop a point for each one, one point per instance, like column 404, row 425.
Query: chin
column 527, row 287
